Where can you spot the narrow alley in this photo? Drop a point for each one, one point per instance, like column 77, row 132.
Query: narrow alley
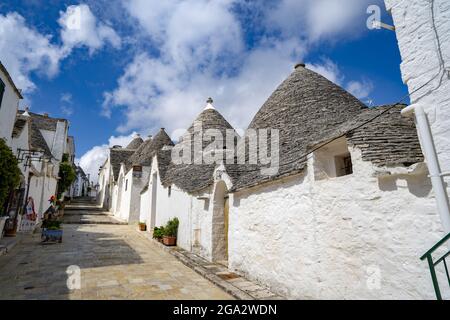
column 114, row 262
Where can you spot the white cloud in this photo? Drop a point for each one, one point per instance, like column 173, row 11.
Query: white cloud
column 66, row 98
column 329, row 70
column 67, row 111
column 202, row 53
column 360, row 89
column 157, row 93
column 79, row 27
column 24, row 50
column 319, row 19
column 94, row 158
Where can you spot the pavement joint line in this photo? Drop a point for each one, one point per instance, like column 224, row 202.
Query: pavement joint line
column 203, row 268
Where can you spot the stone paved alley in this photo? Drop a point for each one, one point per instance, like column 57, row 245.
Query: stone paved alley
column 115, row 264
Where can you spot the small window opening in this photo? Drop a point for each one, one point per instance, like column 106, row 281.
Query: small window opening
column 344, row 166
column 169, row 191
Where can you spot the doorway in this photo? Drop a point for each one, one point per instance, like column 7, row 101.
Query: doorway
column 220, row 224
column 154, row 194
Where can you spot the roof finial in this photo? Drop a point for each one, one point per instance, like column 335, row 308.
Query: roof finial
column 209, row 104
column 300, row 65
column 26, row 113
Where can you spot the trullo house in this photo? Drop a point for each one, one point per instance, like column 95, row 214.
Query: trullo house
column 348, row 213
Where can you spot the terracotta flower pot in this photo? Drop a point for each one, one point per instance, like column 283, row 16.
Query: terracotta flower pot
column 142, row 227
column 169, row 241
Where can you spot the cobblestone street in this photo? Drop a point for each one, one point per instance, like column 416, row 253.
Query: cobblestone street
column 115, row 263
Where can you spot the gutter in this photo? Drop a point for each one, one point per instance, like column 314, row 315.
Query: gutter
column 429, row 149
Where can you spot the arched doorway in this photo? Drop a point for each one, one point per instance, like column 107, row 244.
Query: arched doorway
column 220, row 222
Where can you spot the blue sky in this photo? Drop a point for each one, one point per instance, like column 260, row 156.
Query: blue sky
column 114, row 68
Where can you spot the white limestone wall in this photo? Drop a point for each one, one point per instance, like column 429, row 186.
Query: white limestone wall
column 202, row 213
column 114, row 200
column 130, row 208
column 35, row 191
column 124, row 210
column 176, row 205
column 8, row 110
column 144, row 210
column 421, row 63
column 193, row 212
column 353, row 237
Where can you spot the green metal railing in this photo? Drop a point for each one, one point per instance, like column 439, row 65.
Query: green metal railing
column 432, row 264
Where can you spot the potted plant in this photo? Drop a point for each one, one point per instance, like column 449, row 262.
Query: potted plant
column 52, row 231
column 171, row 232
column 142, row 226
column 158, row 233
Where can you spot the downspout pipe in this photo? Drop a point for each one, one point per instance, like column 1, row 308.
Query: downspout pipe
column 431, row 157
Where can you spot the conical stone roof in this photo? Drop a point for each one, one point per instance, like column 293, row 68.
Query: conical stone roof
column 135, row 144
column 148, row 149
column 194, row 177
column 306, row 108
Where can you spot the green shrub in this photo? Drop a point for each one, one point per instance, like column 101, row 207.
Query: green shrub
column 9, row 173
column 67, row 176
column 52, row 225
column 171, row 229
column 158, row 233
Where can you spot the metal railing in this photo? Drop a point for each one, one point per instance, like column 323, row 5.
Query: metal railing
column 432, row 264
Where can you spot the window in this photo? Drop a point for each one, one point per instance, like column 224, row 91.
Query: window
column 344, row 165
column 170, row 191
column 2, row 91
column 333, row 160
column 126, row 185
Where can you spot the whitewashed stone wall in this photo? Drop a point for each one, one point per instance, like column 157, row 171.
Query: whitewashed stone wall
column 105, row 193
column 8, row 110
column 421, row 63
column 193, row 211
column 144, row 210
column 353, row 237
column 130, row 208
column 176, row 205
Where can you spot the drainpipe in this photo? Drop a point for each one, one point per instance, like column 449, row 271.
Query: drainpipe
column 432, row 161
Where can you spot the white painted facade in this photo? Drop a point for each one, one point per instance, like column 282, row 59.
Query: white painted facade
column 80, row 187
column 359, row 236
column 160, row 204
column 315, row 235
column 106, row 186
column 425, row 50
column 9, row 105
column 129, row 194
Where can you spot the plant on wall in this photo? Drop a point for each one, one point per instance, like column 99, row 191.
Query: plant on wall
column 9, row 172
column 67, row 176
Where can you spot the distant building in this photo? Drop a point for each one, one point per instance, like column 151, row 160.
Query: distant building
column 81, row 184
